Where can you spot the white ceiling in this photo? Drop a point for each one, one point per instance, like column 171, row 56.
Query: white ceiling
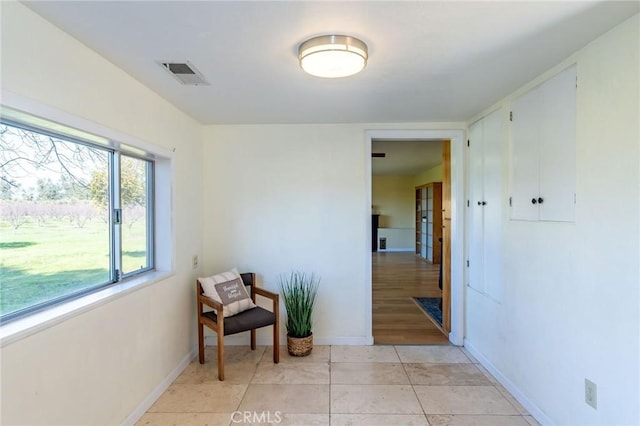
column 429, row 60
column 405, row 157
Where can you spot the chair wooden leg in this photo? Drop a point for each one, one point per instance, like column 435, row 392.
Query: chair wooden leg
column 253, row 339
column 276, row 344
column 221, row 357
column 200, row 342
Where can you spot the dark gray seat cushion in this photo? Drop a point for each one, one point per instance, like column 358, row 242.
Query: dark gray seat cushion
column 247, row 320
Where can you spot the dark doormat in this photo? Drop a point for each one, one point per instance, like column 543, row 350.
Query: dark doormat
column 431, row 306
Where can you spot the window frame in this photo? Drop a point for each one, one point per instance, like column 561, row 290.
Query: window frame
column 114, row 149
column 116, row 202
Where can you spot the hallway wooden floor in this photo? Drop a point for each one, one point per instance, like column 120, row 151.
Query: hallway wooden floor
column 398, row 276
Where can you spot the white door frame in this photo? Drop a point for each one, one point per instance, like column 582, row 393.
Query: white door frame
column 457, row 138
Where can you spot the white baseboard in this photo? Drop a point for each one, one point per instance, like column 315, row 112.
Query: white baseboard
column 396, row 249
column 533, row 409
column 146, row 403
column 455, row 339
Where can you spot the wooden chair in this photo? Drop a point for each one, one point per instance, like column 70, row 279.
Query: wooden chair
column 251, row 319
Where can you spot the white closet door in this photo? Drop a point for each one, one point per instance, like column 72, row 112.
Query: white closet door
column 558, row 147
column 476, row 195
column 525, row 134
column 494, row 133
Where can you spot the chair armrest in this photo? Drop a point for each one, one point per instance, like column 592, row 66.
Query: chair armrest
column 211, row 303
column 275, row 298
column 266, row 293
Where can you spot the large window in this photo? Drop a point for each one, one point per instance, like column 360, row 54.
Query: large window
column 75, row 216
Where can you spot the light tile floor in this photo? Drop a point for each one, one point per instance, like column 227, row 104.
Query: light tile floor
column 339, row 385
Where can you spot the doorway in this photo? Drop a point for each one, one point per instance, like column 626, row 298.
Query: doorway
column 395, row 260
column 407, row 204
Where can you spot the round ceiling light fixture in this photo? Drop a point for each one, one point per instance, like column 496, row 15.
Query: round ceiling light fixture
column 333, row 56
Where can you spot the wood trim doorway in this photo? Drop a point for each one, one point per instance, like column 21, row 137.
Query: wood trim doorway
column 458, row 139
column 446, row 235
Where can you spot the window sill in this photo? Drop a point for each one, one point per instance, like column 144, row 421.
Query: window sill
column 24, row 327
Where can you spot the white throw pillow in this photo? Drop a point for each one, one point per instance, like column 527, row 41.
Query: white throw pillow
column 228, row 289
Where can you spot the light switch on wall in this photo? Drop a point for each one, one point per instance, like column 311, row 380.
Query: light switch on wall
column 194, row 261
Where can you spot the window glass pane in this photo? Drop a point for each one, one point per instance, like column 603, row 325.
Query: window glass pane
column 135, row 180
column 54, row 222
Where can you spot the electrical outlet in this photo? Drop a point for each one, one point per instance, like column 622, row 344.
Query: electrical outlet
column 194, row 261
column 591, row 393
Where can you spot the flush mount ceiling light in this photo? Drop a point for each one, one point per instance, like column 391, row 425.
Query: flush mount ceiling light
column 333, row 56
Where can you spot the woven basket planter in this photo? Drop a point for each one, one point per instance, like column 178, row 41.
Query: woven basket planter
column 299, row 346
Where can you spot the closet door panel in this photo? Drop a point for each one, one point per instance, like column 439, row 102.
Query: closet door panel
column 524, row 156
column 476, row 195
column 558, row 147
column 494, row 133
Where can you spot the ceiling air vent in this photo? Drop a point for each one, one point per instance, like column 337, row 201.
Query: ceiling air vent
column 184, row 72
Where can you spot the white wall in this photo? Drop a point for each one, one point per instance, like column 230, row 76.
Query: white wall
column 393, row 197
column 95, row 368
column 291, row 197
column 433, row 174
column 571, row 303
column 398, row 239
column 285, row 197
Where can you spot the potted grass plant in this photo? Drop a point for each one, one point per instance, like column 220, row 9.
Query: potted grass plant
column 299, row 292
